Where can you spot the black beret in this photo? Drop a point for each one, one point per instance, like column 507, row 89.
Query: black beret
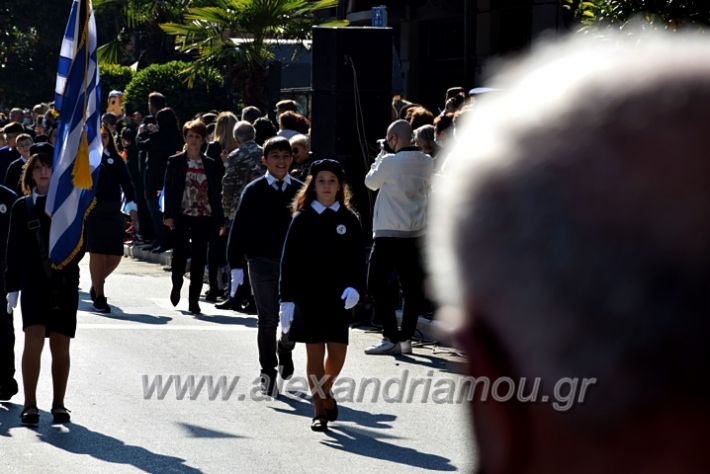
column 14, row 128
column 328, row 165
column 42, row 148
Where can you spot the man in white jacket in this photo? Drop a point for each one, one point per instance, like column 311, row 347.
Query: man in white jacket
column 403, row 179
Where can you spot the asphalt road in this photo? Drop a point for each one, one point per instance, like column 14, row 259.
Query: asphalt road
column 124, row 420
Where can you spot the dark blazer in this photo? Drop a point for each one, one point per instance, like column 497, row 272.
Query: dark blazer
column 175, row 175
column 13, row 175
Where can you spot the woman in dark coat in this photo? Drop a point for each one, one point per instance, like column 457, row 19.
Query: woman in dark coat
column 193, row 210
column 106, row 225
column 160, row 141
column 322, row 276
column 50, row 297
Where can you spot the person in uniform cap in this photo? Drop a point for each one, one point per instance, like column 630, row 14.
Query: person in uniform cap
column 316, row 299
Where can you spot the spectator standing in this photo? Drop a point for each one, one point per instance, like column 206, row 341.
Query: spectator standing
column 160, row 140
column 403, row 180
column 244, row 165
column 569, row 238
column 9, row 153
column 219, row 150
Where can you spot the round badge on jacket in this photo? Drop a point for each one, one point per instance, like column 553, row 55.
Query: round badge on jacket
column 341, row 229
column 3, row 208
column 109, row 161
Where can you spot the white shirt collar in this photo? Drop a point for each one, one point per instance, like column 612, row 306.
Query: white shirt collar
column 36, row 195
column 320, row 208
column 271, row 180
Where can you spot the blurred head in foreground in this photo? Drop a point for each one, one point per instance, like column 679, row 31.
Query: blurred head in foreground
column 571, row 233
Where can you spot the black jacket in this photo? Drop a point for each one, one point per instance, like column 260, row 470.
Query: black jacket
column 261, row 222
column 13, row 175
column 24, row 264
column 158, row 147
column 175, row 175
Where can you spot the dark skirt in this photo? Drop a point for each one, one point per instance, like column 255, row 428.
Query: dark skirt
column 105, row 229
column 57, row 312
column 315, row 322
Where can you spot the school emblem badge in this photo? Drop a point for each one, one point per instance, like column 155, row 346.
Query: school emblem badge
column 341, row 229
column 3, row 208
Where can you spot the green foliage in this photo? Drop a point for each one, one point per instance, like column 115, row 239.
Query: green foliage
column 30, row 40
column 113, row 77
column 660, row 14
column 205, row 94
column 208, row 33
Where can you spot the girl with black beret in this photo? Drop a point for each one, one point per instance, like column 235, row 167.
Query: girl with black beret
column 322, row 277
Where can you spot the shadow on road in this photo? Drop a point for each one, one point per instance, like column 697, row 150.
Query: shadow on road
column 355, row 440
column 301, row 406
column 221, row 319
column 365, row 442
column 78, row 439
column 195, row 431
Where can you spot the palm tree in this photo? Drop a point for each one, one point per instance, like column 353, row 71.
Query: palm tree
column 233, row 35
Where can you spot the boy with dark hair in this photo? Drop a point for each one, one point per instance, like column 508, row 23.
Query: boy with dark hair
column 24, row 145
column 256, row 239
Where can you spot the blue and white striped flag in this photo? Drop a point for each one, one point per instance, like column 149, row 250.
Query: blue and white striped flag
column 78, row 148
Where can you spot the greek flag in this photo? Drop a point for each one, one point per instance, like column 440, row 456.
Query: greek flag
column 78, row 148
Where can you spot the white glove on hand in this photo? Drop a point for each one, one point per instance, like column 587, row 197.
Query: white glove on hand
column 351, row 297
column 286, row 316
column 12, row 300
column 237, row 279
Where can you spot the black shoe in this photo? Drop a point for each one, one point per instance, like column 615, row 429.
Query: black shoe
column 231, row 303
column 60, row 415
column 285, row 364
column 101, row 305
column 30, row 416
column 248, row 307
column 92, row 294
column 194, row 308
column 175, row 294
column 8, row 389
column 211, row 296
column 319, row 424
column 268, row 384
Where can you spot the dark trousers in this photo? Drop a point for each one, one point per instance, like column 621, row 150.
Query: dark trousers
column 7, row 343
column 264, row 276
column 156, row 218
column 216, row 259
column 403, row 257
column 190, row 240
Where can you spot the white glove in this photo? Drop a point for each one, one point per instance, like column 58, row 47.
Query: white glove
column 12, row 300
column 351, row 297
column 286, row 316
column 237, row 279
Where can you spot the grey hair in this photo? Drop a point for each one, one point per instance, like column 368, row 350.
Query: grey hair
column 425, row 133
column 244, row 131
column 574, row 216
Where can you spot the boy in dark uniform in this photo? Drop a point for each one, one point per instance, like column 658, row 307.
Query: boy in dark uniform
column 8, row 384
column 256, row 239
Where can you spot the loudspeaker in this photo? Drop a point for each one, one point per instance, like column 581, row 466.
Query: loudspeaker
column 352, row 86
column 337, row 50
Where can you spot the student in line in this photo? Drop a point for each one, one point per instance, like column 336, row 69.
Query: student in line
column 322, row 276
